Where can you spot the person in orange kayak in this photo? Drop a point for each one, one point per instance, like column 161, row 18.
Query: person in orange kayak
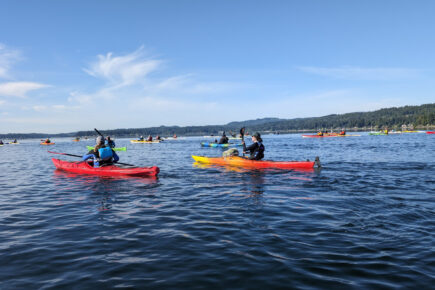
column 101, row 154
column 47, row 141
column 224, row 139
column 256, row 150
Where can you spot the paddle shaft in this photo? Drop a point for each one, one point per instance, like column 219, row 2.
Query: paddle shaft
column 73, row 155
column 242, row 133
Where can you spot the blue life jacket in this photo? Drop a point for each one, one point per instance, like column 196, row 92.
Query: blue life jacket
column 105, row 153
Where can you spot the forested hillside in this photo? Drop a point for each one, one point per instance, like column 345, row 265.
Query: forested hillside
column 418, row 116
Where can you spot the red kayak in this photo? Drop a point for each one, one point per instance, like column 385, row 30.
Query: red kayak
column 110, row 170
column 430, row 132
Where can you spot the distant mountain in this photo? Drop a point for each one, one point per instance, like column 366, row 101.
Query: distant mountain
column 419, row 116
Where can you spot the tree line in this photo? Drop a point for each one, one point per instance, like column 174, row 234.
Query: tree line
column 419, row 116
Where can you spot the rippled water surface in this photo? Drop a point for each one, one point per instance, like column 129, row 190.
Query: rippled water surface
column 365, row 220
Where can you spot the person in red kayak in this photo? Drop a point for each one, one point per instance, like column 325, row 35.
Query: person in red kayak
column 342, row 133
column 101, row 154
column 256, row 150
column 320, row 133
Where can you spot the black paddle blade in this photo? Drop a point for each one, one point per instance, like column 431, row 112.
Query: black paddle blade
column 242, row 131
column 98, row 132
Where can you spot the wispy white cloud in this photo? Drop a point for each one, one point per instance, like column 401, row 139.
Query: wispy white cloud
column 130, row 77
column 51, row 108
column 7, row 58
column 360, row 73
column 123, row 70
column 19, row 89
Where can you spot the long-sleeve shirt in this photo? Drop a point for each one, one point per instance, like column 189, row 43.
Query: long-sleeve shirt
column 256, row 150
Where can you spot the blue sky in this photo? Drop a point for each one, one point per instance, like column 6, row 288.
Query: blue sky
column 75, row 65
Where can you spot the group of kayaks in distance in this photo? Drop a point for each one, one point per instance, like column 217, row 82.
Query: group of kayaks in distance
column 12, row 143
column 102, row 159
column 343, row 133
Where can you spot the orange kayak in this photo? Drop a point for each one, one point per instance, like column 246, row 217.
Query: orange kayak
column 43, row 143
column 246, row 163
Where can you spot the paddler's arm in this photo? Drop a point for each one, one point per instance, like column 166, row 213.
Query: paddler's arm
column 250, row 148
column 88, row 156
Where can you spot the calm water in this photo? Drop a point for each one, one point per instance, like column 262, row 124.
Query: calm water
column 366, row 220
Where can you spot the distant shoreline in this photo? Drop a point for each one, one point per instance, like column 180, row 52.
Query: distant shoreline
column 402, row 118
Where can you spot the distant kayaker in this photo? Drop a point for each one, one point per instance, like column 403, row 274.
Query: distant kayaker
column 320, row 133
column 223, row 139
column 110, row 142
column 141, row 138
column 47, row 141
column 158, row 137
column 101, row 154
column 256, row 150
column 15, row 141
column 1, row 142
column 150, row 138
column 343, row 132
column 175, row 136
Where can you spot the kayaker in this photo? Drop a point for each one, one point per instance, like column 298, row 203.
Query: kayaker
column 158, row 137
column 1, row 142
column 110, row 142
column 47, row 141
column 175, row 136
column 320, row 133
column 256, row 150
column 101, row 154
column 223, row 139
column 150, row 138
column 343, row 132
column 141, row 138
column 15, row 141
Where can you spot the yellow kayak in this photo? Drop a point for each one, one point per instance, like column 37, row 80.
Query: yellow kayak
column 137, row 141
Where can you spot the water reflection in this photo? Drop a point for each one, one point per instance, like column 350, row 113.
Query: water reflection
column 101, row 189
